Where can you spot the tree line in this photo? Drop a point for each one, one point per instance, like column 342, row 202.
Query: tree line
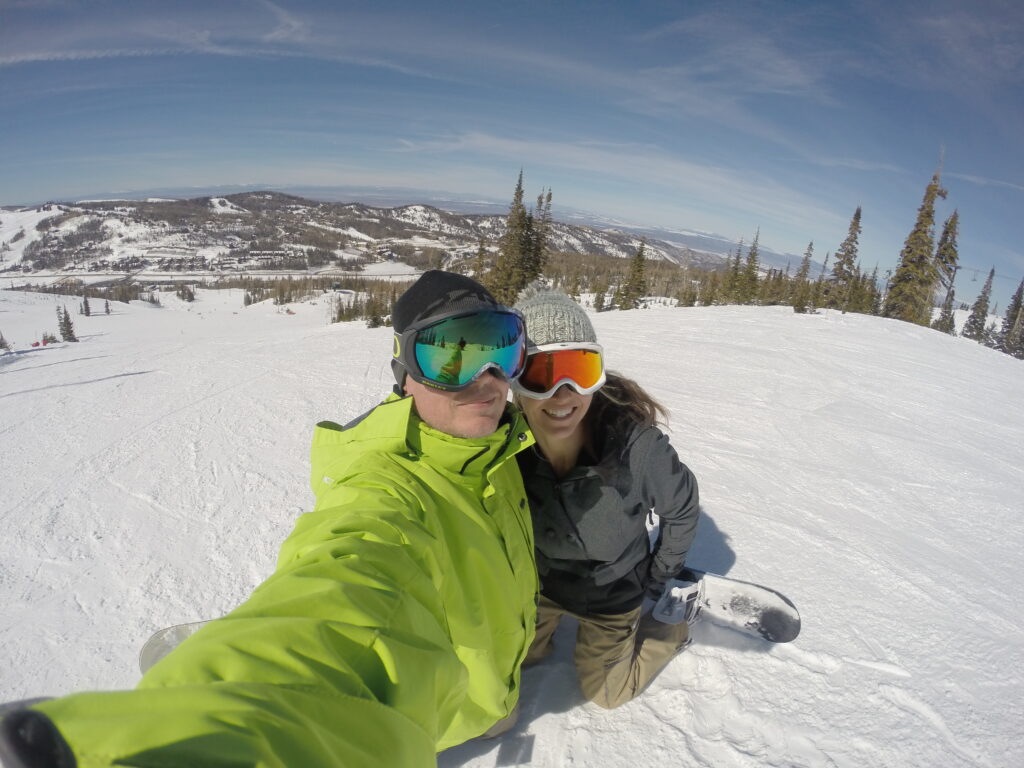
column 926, row 268
column 524, row 253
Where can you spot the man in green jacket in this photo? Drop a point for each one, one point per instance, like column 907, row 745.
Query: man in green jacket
column 401, row 606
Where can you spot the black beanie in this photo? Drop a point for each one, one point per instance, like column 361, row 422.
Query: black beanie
column 437, row 293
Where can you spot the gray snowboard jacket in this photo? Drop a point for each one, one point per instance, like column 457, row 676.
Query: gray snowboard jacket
column 593, row 549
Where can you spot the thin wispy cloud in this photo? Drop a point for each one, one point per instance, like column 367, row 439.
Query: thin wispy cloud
column 85, row 55
column 715, row 186
column 981, row 181
column 858, row 164
column 289, row 28
column 749, row 50
column 981, row 44
column 272, row 31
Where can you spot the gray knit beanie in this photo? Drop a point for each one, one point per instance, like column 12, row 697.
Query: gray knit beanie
column 552, row 317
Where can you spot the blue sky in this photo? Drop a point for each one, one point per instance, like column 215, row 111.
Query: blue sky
column 711, row 115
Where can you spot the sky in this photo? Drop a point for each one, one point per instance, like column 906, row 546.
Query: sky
column 727, row 117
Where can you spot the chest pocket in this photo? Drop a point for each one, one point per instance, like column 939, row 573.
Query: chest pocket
column 602, row 515
column 608, row 526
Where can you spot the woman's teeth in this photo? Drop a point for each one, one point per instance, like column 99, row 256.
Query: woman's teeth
column 559, row 414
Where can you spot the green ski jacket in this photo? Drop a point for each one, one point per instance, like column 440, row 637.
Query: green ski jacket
column 392, row 628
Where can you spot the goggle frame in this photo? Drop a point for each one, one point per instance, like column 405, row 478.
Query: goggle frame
column 406, row 340
column 519, row 389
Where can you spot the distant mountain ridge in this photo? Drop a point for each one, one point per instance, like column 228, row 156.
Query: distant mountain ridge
column 207, row 230
column 397, row 197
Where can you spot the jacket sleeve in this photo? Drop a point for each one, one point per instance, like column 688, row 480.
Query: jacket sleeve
column 342, row 657
column 670, row 489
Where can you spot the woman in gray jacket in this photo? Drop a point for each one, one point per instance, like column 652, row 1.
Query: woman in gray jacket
column 598, row 471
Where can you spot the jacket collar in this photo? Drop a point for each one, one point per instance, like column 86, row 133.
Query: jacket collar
column 395, row 427
column 469, row 456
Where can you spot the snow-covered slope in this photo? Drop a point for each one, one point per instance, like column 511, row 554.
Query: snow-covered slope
column 18, row 230
column 869, row 469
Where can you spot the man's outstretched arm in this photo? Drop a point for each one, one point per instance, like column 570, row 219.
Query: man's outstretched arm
column 342, row 657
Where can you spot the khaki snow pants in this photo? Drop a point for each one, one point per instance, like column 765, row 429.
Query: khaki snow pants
column 616, row 655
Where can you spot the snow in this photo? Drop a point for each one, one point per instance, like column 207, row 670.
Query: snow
column 353, row 232
column 223, row 205
column 392, row 269
column 869, row 469
column 14, row 223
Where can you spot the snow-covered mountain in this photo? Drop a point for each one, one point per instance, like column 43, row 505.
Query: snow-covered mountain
column 269, row 229
column 870, row 469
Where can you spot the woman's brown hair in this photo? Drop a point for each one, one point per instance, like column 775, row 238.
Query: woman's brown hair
column 622, row 400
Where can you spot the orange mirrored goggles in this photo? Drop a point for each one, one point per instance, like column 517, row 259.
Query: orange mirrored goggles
column 549, row 366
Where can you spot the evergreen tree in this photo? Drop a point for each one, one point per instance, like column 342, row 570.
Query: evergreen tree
column 106, row 306
column 1013, row 342
column 944, row 322
column 523, row 246
column 818, row 292
column 844, row 268
column 85, row 306
column 514, row 246
column 802, row 289
column 635, row 287
column 600, row 294
column 687, row 294
column 990, row 338
column 575, row 286
column 856, row 292
column 876, row 295
column 1013, row 313
column 711, row 289
column 974, row 328
column 749, row 274
column 540, row 234
column 772, row 290
column 617, row 297
column 480, row 262
column 65, row 326
column 731, row 288
column 910, row 295
column 4, row 345
column 946, row 253
column 374, row 310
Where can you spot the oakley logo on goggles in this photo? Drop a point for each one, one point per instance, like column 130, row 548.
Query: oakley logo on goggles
column 450, row 352
column 549, row 366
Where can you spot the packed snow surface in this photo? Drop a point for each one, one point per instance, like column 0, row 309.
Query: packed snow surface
column 869, row 469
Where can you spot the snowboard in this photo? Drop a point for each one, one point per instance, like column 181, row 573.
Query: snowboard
column 164, row 641
column 750, row 608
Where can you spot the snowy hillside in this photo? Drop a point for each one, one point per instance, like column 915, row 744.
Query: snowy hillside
column 263, row 230
column 871, row 470
column 18, row 230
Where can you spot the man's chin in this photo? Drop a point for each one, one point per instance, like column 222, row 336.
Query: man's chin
column 478, row 426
